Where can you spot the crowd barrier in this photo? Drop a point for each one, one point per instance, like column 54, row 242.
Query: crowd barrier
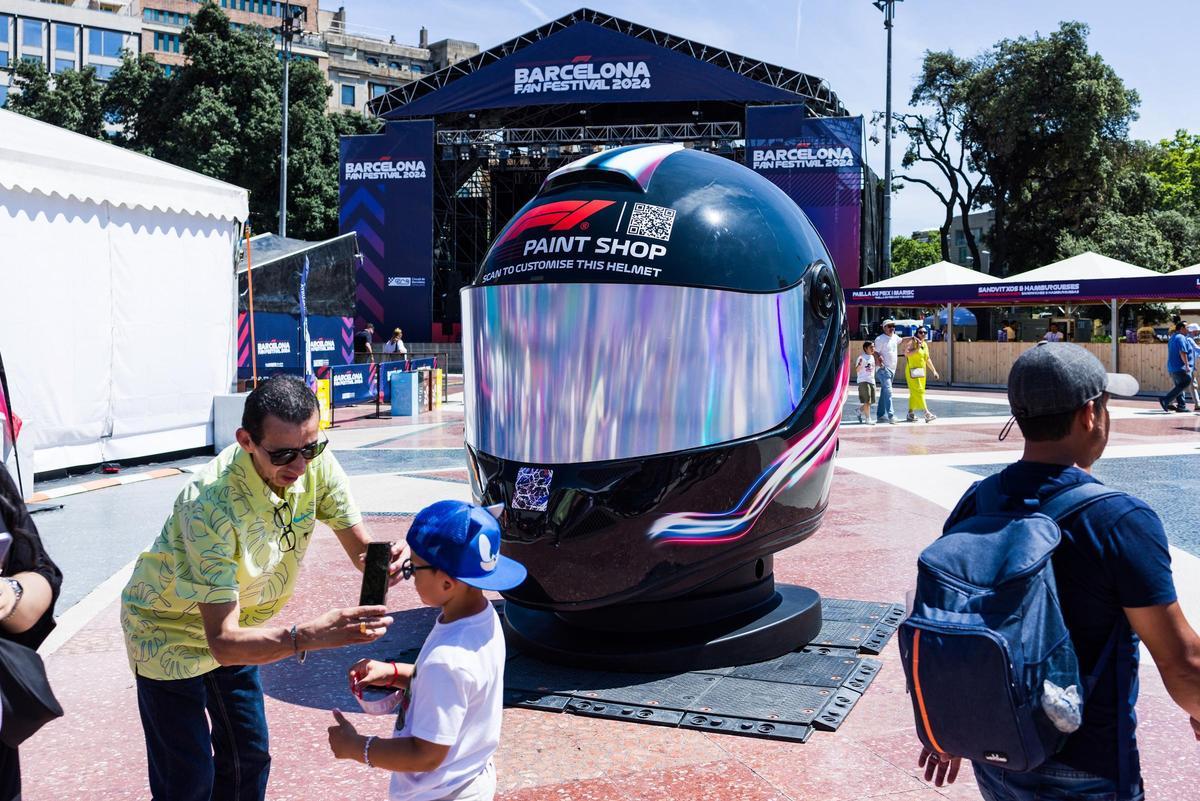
column 351, row 384
column 986, row 364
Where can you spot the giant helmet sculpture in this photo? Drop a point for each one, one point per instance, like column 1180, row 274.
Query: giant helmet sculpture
column 655, row 364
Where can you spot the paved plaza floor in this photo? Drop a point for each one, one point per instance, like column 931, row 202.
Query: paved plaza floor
column 891, row 492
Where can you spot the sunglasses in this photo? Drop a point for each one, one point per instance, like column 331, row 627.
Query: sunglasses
column 286, row 456
column 283, row 520
column 407, row 568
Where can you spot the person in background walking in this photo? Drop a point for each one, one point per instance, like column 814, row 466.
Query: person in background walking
column 396, row 344
column 887, row 352
column 1179, row 367
column 864, row 368
column 1053, row 335
column 1193, row 334
column 918, row 363
column 363, row 354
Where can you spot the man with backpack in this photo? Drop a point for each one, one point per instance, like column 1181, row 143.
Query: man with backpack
column 1022, row 650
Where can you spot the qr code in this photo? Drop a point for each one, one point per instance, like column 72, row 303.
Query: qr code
column 654, row 222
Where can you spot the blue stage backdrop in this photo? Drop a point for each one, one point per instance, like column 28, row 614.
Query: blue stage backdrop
column 818, row 163
column 586, row 63
column 386, row 191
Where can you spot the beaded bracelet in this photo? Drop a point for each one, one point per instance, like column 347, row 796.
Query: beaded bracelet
column 367, row 751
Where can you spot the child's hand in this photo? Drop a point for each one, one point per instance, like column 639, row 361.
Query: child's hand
column 344, row 740
column 370, row 672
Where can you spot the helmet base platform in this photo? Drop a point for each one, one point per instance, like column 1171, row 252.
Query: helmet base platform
column 787, row 619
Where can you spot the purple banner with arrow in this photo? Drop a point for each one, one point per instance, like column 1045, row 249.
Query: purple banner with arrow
column 386, row 196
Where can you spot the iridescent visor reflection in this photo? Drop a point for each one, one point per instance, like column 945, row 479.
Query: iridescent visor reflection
column 570, row 373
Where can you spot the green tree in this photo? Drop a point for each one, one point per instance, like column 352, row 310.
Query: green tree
column 1182, row 232
column 139, row 83
column 312, row 154
column 1176, row 165
column 911, row 254
column 935, row 138
column 1131, row 238
column 219, row 114
column 1046, row 122
column 352, row 123
column 70, row 99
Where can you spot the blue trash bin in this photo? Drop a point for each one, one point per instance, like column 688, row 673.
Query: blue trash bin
column 404, row 395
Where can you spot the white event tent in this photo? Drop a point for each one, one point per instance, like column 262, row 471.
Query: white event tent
column 119, row 291
column 941, row 273
column 1085, row 266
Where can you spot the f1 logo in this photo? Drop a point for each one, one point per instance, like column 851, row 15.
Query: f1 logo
column 562, row 215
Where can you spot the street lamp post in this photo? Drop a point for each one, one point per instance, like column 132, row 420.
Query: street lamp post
column 288, row 28
column 888, row 7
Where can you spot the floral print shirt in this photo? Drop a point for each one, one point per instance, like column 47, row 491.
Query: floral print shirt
column 226, row 540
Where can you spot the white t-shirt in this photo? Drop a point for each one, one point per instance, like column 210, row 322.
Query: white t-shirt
column 1053, row 336
column 457, row 700
column 888, row 348
column 396, row 346
column 865, row 368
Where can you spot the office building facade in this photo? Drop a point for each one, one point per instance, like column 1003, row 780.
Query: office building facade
column 364, row 63
column 70, row 34
column 163, row 23
column 66, row 35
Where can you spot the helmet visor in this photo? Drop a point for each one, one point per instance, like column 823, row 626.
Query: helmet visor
column 570, row 373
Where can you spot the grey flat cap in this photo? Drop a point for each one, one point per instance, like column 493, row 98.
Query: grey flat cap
column 1059, row 377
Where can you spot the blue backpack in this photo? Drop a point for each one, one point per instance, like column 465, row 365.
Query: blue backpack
column 989, row 661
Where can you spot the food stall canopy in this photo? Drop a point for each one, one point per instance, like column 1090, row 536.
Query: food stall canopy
column 1088, row 277
column 1085, row 266
column 921, row 287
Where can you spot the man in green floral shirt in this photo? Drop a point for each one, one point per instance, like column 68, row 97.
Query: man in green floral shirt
column 196, row 611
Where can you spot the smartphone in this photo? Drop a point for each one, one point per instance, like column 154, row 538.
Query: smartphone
column 375, row 574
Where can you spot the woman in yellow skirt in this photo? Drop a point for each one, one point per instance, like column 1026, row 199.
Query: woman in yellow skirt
column 918, row 363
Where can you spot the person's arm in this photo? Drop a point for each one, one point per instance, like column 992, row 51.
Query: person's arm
column 373, row 673
column 1176, row 650
column 435, row 722
column 337, row 509
column 29, row 564
column 399, row 754
column 36, row 598
column 234, row 644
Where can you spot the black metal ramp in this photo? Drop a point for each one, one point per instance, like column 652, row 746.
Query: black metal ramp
column 786, row 698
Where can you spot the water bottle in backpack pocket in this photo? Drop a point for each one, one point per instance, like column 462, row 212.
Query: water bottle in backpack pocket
column 989, row 661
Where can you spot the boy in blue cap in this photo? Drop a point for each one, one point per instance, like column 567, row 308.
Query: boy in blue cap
column 444, row 743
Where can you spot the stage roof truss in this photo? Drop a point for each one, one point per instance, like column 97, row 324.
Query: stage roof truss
column 814, row 91
column 599, row 134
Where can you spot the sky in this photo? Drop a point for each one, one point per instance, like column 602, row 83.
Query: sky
column 1151, row 45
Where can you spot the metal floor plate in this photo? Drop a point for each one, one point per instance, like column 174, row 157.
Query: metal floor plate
column 787, row 698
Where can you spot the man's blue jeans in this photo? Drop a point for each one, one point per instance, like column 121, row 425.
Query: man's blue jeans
column 884, row 409
column 1183, row 380
column 1051, row 782
column 188, row 761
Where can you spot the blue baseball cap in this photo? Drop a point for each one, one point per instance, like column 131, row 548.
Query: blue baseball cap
column 463, row 541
